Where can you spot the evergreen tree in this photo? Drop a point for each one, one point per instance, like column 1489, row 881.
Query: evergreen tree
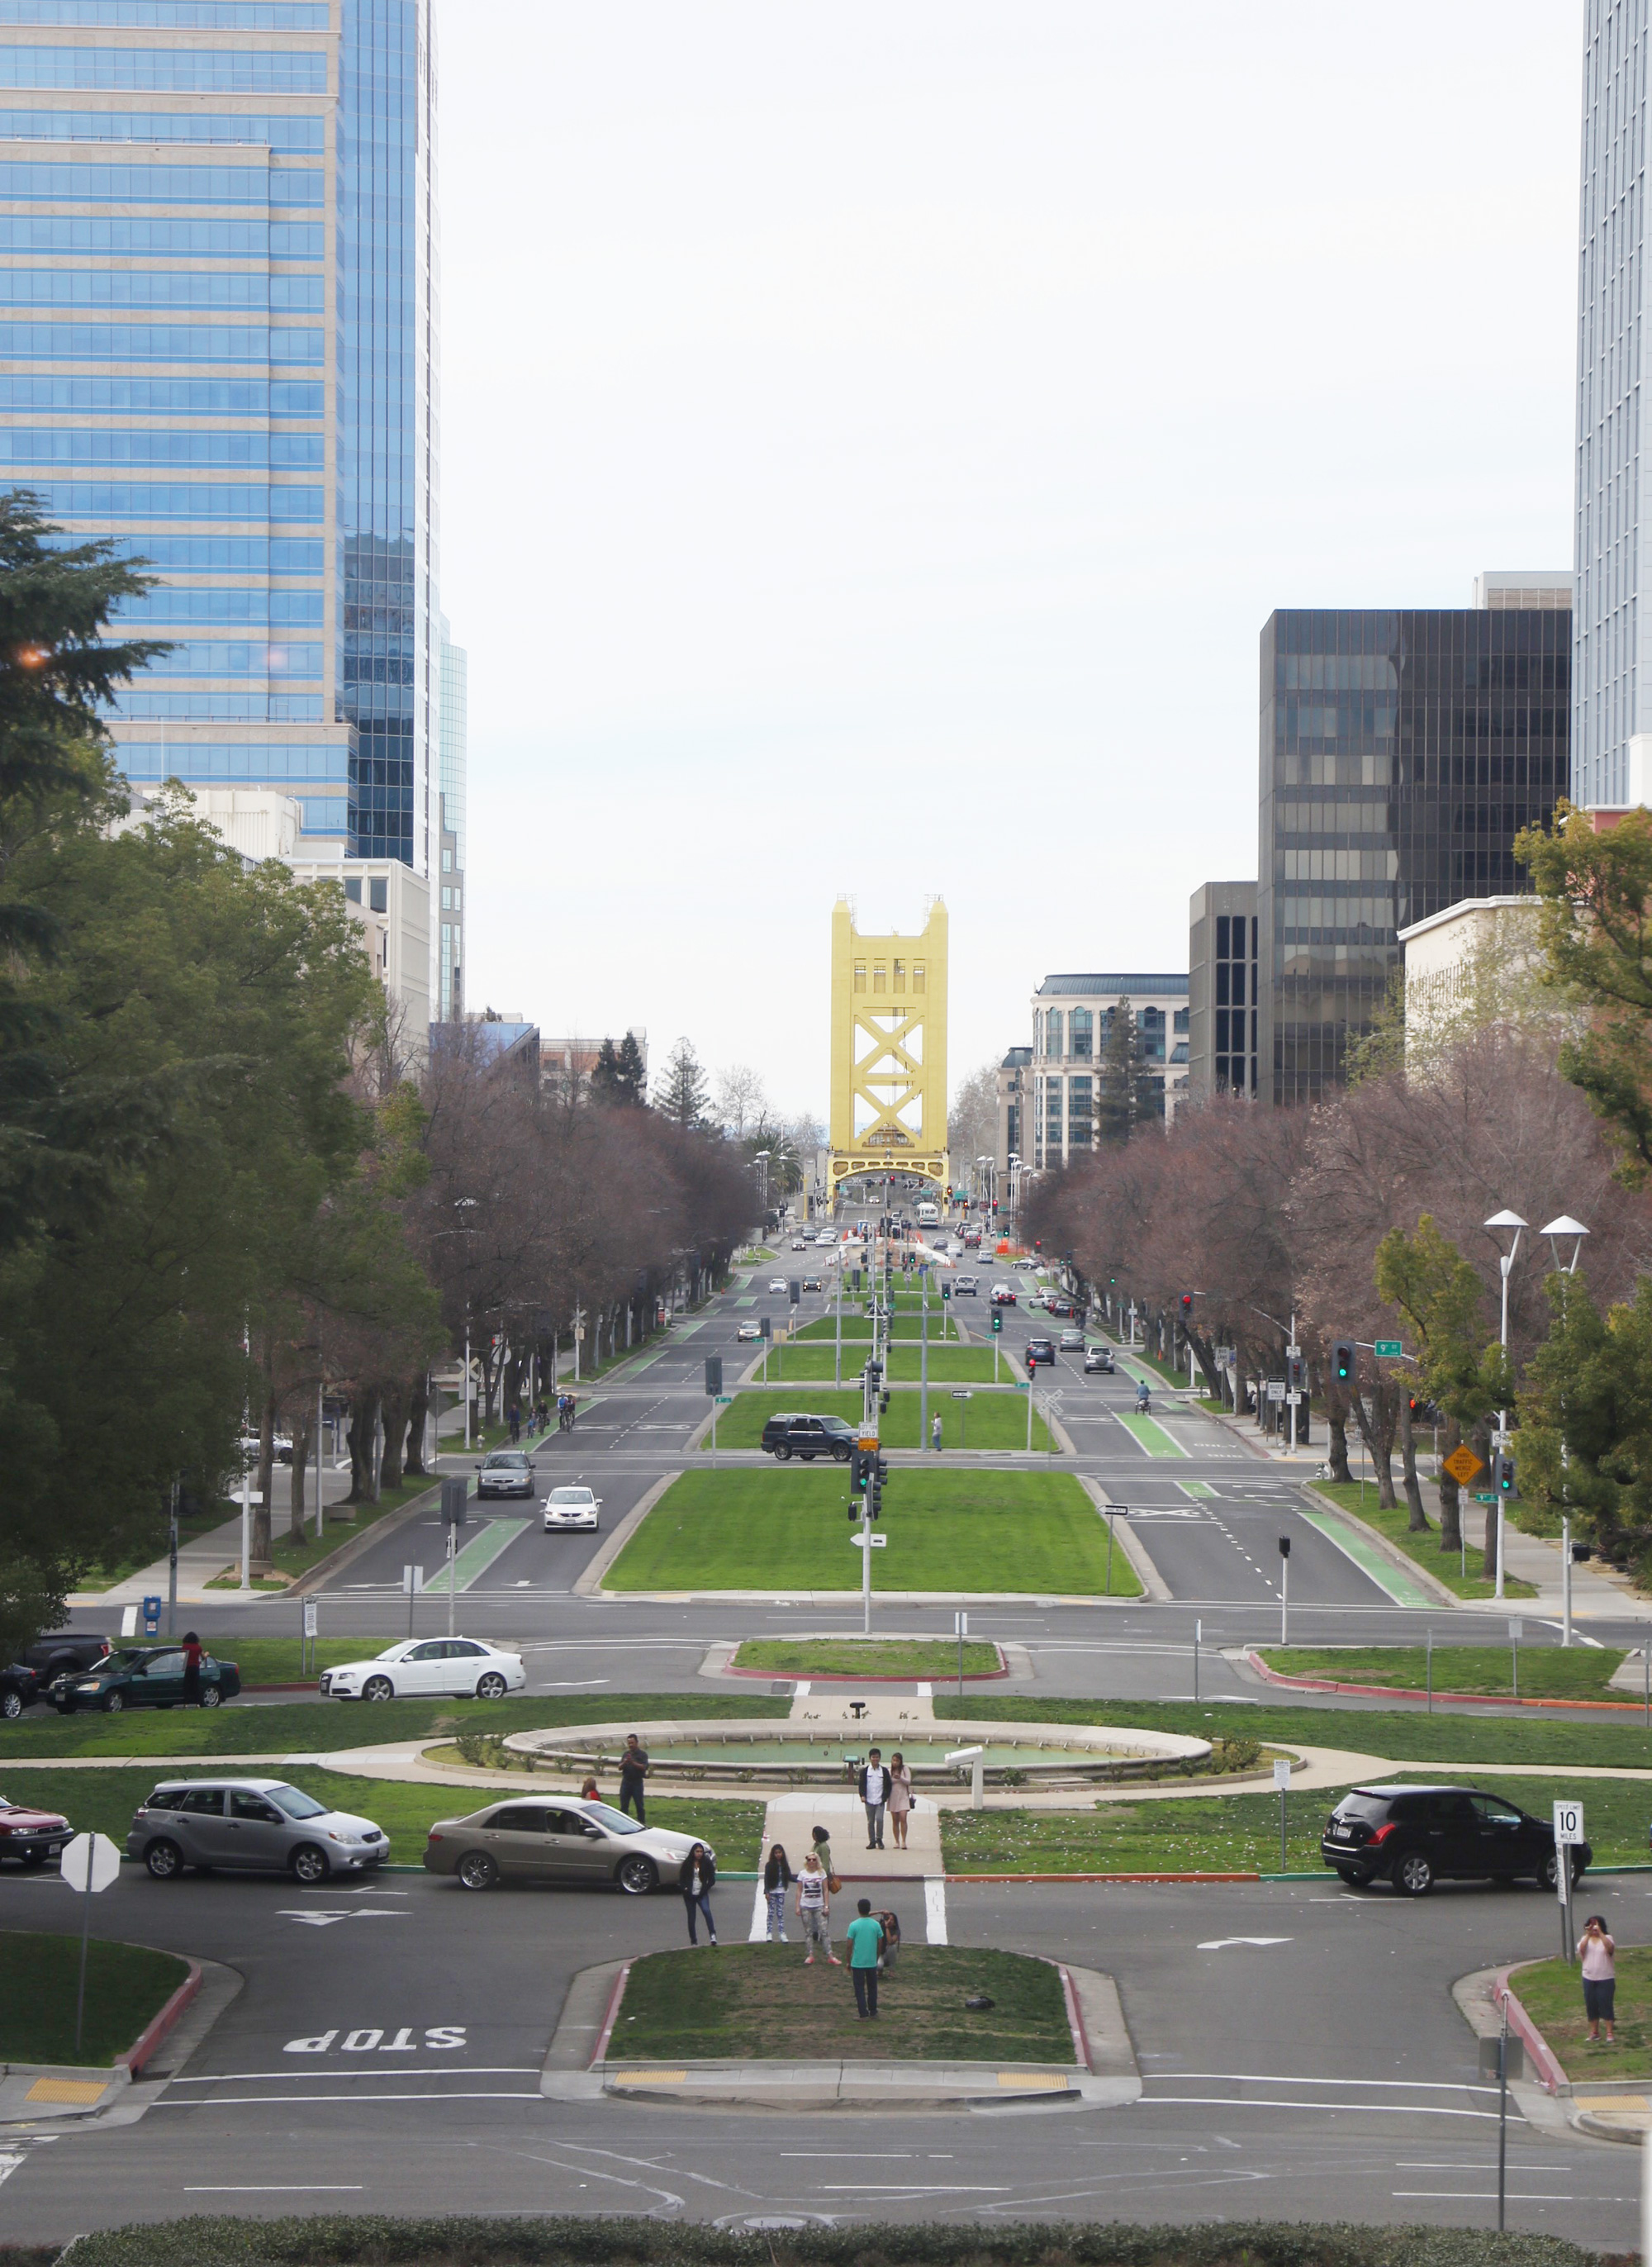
column 684, row 1098
column 1118, row 1079
column 605, row 1073
column 633, row 1072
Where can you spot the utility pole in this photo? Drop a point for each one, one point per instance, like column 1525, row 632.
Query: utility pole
column 923, row 1363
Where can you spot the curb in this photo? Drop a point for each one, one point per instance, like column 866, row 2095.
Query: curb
column 1412, row 1693
column 135, row 2057
column 1388, row 1549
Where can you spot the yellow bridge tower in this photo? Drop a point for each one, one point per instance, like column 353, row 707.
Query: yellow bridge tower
column 889, row 1050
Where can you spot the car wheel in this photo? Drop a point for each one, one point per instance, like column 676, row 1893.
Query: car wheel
column 478, row 1871
column 1547, row 1870
column 112, row 1704
column 211, row 1697
column 309, row 1863
column 164, row 1861
column 1413, row 1876
column 11, row 1705
column 783, row 1455
column 378, row 1688
column 840, row 1456
column 491, row 1687
column 637, row 1875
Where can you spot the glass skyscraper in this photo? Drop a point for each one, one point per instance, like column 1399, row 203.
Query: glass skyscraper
column 1401, row 753
column 218, row 345
column 1611, row 751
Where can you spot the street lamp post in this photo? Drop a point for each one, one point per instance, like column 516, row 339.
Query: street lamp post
column 1505, row 1262
column 1555, row 1229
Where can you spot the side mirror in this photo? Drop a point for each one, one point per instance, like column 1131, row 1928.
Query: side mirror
column 593, row 1833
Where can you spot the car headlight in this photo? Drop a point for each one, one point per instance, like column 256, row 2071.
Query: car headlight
column 93, row 1687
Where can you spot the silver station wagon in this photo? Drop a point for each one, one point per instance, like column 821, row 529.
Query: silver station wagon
column 250, row 1824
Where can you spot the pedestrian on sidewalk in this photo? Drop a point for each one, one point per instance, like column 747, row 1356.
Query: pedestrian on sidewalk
column 516, row 1424
column 875, row 1792
column 695, row 1881
column 900, row 1797
column 191, row 1670
column 934, row 1433
column 633, row 1769
column 778, row 1878
column 1597, row 1952
column 865, row 1947
column 824, row 1851
column 813, row 1912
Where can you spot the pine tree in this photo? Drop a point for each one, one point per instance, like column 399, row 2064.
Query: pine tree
column 684, row 1098
column 605, row 1074
column 633, row 1072
column 1118, row 1078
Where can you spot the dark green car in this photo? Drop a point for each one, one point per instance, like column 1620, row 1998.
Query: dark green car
column 143, row 1677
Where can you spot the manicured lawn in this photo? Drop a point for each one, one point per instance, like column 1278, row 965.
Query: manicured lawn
column 988, row 1420
column 274, row 1660
column 1552, row 1993
column 866, row 1656
column 1413, row 1736
column 308, row 1727
column 948, row 1365
column 104, row 1802
column 1240, row 1833
column 40, row 1980
column 1425, row 1548
column 787, row 1530
column 907, row 1331
column 758, row 2001
column 1546, row 1672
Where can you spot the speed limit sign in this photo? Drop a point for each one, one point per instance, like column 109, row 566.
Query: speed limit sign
column 1569, row 1822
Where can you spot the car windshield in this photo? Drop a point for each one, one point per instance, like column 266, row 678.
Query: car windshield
column 296, row 1802
column 571, row 1495
column 1363, row 1806
column 514, row 1459
column 615, row 1821
column 131, row 1656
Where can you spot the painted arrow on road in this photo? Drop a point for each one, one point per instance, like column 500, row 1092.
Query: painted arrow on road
column 1220, row 1943
column 351, row 1912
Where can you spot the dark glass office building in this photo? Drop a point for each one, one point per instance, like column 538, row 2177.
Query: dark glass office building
column 1401, row 753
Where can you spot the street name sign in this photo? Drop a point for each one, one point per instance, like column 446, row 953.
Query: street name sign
column 1388, row 1350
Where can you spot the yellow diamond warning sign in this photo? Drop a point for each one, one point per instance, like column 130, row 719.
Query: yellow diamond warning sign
column 1463, row 1464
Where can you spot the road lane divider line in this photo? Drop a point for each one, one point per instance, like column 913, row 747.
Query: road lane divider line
column 478, row 1555
column 935, row 1908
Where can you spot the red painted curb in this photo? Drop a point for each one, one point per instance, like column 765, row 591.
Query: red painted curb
column 611, row 2017
column 1549, row 2072
column 1419, row 1692
column 135, row 2057
column 1074, row 2020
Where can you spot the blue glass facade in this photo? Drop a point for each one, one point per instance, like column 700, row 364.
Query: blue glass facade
column 217, row 347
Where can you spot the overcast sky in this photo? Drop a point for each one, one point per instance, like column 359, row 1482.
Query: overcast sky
column 874, row 437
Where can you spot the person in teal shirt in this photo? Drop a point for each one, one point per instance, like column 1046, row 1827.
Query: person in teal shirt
column 866, row 1943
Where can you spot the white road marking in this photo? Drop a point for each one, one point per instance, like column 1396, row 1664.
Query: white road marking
column 10, row 2160
column 1331, row 2109
column 1220, row 1943
column 935, row 1908
column 355, row 1912
column 281, row 2188
column 1483, row 2196
column 1279, row 2078
column 409, row 2070
column 760, row 1930
column 280, row 2100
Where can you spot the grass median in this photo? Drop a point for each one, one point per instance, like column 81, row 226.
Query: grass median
column 1547, row 1672
column 1552, row 1993
column 948, row 1531
column 1393, row 1524
column 986, row 1420
column 1240, row 1833
column 805, row 1364
column 908, row 1329
column 866, row 1656
column 310, row 1727
column 103, row 1801
column 127, row 1986
column 759, row 2003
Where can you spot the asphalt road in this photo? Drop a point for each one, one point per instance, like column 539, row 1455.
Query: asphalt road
column 1301, row 2054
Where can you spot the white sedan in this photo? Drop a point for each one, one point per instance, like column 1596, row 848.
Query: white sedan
column 571, row 1506
column 778, row 1283
column 428, row 1664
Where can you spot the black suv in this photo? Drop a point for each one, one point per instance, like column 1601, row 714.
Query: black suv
column 784, row 1437
column 1040, row 1350
column 1415, row 1836
column 28, row 1679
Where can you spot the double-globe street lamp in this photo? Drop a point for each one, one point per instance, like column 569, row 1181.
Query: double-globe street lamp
column 1556, row 1230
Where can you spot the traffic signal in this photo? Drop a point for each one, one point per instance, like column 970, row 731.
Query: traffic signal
column 997, row 1322
column 1296, row 1373
column 879, row 1473
column 1284, row 1546
column 860, row 1462
column 883, row 1402
column 1187, row 1304
column 1504, row 1476
column 453, row 1496
column 713, row 1373
column 1342, row 1362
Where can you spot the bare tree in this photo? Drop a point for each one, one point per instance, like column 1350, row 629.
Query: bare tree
column 740, row 1099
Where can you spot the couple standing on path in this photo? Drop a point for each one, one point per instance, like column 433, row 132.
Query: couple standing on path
column 882, row 1789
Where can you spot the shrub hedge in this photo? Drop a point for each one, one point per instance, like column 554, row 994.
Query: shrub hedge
column 600, row 2243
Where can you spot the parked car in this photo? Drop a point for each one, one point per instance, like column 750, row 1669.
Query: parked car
column 143, row 1677
column 1003, row 1294
column 1415, row 1836
column 1059, row 1304
column 1071, row 1341
column 966, row 1287
column 1099, row 1359
column 571, row 1506
column 747, row 1331
column 31, row 1678
column 30, row 1835
column 583, row 1844
column 507, row 1471
column 253, row 1825
column 428, row 1664
column 1040, row 1350
column 785, row 1436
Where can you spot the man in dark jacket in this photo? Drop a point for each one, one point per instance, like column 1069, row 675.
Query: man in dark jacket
column 633, row 1769
column 875, row 1792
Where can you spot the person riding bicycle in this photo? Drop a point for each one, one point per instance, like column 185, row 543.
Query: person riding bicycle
column 1143, row 1394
